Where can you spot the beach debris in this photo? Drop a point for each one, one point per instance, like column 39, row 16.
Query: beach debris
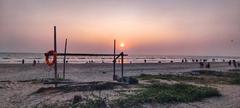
column 206, row 72
column 77, row 99
column 195, row 73
column 81, row 86
column 128, row 80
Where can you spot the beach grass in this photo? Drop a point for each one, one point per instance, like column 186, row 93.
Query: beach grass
column 154, row 93
column 235, row 81
column 90, row 103
column 204, row 77
column 165, row 77
column 163, row 93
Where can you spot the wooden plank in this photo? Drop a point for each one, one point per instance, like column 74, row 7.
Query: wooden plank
column 85, row 54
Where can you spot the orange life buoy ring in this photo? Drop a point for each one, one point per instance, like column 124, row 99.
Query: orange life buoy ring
column 51, row 53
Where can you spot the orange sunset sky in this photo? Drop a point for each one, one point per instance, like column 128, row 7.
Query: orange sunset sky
column 175, row 27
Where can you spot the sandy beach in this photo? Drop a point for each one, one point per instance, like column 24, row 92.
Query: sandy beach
column 119, row 54
column 16, row 90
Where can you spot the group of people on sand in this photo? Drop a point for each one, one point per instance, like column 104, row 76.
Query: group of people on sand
column 203, row 62
column 204, row 65
column 195, row 60
column 234, row 63
column 34, row 62
column 230, row 63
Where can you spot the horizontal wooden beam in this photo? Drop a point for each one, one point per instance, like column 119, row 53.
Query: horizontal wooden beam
column 82, row 54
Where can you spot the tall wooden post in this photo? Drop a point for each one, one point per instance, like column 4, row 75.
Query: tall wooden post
column 114, row 59
column 122, row 54
column 55, row 49
column 64, row 59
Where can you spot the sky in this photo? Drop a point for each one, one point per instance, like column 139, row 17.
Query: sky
column 152, row 27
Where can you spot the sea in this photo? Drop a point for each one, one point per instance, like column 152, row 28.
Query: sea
column 16, row 58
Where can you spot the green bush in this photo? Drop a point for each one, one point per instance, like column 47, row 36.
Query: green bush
column 235, row 81
column 163, row 93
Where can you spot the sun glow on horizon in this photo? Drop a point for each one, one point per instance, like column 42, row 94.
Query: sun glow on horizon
column 122, row 45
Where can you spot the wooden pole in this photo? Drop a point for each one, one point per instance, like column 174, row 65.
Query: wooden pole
column 114, row 59
column 122, row 64
column 64, row 59
column 55, row 49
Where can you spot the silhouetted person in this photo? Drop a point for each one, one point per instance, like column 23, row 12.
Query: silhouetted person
column 213, row 60
column 196, row 60
column 171, row 61
column 230, row 62
column 234, row 63
column 186, row 60
column 159, row 62
column 182, row 61
column 34, row 62
column 145, row 61
column 23, row 61
column 201, row 64
column 208, row 65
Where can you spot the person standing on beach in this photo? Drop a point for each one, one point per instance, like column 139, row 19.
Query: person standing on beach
column 230, row 62
column 201, row 64
column 208, row 65
column 234, row 63
column 23, row 61
column 34, row 62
